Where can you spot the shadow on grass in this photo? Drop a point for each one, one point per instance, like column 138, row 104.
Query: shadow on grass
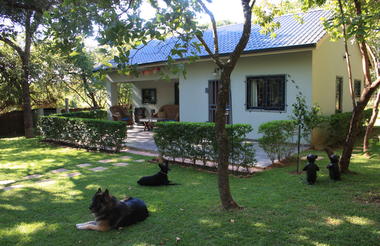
column 279, row 208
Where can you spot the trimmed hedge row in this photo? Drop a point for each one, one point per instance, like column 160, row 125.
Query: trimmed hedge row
column 82, row 132
column 339, row 124
column 90, row 114
column 197, row 141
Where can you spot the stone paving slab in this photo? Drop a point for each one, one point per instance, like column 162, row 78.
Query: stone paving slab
column 126, row 157
column 84, row 165
column 60, row 170
column 139, row 160
column 120, row 164
column 33, row 176
column 5, row 182
column 72, row 174
column 106, row 160
column 98, row 169
column 13, row 187
column 46, row 181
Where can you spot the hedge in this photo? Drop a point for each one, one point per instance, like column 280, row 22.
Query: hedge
column 83, row 132
column 90, row 114
column 338, row 125
column 197, row 141
column 277, row 139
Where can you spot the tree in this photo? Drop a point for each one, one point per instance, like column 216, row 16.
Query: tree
column 305, row 118
column 59, row 20
column 26, row 14
column 226, row 66
column 357, row 19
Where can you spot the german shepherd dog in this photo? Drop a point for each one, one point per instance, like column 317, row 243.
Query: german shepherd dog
column 113, row 214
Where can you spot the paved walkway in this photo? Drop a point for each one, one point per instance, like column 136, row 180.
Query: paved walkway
column 141, row 142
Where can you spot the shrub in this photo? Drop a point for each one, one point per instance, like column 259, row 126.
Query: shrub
column 92, row 114
column 338, row 125
column 197, row 141
column 82, row 132
column 277, row 140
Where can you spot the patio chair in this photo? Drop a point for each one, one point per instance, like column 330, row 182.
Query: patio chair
column 168, row 112
column 122, row 113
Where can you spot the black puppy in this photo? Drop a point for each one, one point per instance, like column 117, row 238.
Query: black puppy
column 333, row 167
column 311, row 169
column 160, row 178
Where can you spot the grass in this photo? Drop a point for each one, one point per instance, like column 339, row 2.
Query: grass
column 280, row 209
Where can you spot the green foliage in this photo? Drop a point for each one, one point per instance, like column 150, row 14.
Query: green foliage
column 197, row 141
column 338, row 125
column 86, row 133
column 93, row 114
column 277, row 140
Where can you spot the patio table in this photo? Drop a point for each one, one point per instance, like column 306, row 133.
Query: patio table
column 149, row 122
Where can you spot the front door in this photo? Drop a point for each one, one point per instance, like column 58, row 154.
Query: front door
column 213, row 86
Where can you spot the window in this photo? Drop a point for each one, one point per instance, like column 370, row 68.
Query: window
column 357, row 88
column 149, row 96
column 266, row 92
column 339, row 94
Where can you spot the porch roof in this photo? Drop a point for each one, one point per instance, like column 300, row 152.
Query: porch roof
column 292, row 33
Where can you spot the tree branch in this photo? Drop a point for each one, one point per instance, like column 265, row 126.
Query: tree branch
column 214, row 28
column 375, row 62
column 13, row 45
column 247, row 9
column 212, row 55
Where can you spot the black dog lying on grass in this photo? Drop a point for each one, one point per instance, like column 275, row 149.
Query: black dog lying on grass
column 333, row 167
column 160, row 178
column 311, row 169
column 113, row 214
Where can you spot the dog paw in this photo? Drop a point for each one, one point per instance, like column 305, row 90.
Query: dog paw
column 80, row 226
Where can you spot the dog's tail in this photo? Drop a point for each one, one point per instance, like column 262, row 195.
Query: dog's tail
column 170, row 183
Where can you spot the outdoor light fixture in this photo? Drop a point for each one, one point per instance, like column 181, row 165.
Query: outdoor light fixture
column 216, row 72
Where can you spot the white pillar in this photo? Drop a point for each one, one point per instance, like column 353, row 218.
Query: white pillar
column 112, row 96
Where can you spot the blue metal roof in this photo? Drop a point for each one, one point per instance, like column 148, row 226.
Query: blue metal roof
column 291, row 33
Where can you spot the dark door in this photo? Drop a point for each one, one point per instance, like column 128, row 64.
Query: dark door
column 213, row 86
column 176, row 93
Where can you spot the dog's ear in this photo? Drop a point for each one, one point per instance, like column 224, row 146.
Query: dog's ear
column 106, row 193
column 160, row 165
column 99, row 190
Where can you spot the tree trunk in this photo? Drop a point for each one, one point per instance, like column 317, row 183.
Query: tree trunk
column 351, row 137
column 223, row 143
column 25, row 58
column 371, row 123
column 354, row 125
column 27, row 108
column 89, row 92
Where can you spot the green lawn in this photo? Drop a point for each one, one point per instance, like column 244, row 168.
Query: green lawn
column 280, row 209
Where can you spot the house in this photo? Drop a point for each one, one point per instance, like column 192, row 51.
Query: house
column 266, row 79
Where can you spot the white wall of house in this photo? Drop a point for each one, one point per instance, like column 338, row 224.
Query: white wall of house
column 328, row 63
column 194, row 99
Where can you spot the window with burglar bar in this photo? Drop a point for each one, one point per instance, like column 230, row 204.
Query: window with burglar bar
column 266, row 92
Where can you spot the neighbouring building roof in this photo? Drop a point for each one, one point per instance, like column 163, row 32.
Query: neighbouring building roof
column 292, row 33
